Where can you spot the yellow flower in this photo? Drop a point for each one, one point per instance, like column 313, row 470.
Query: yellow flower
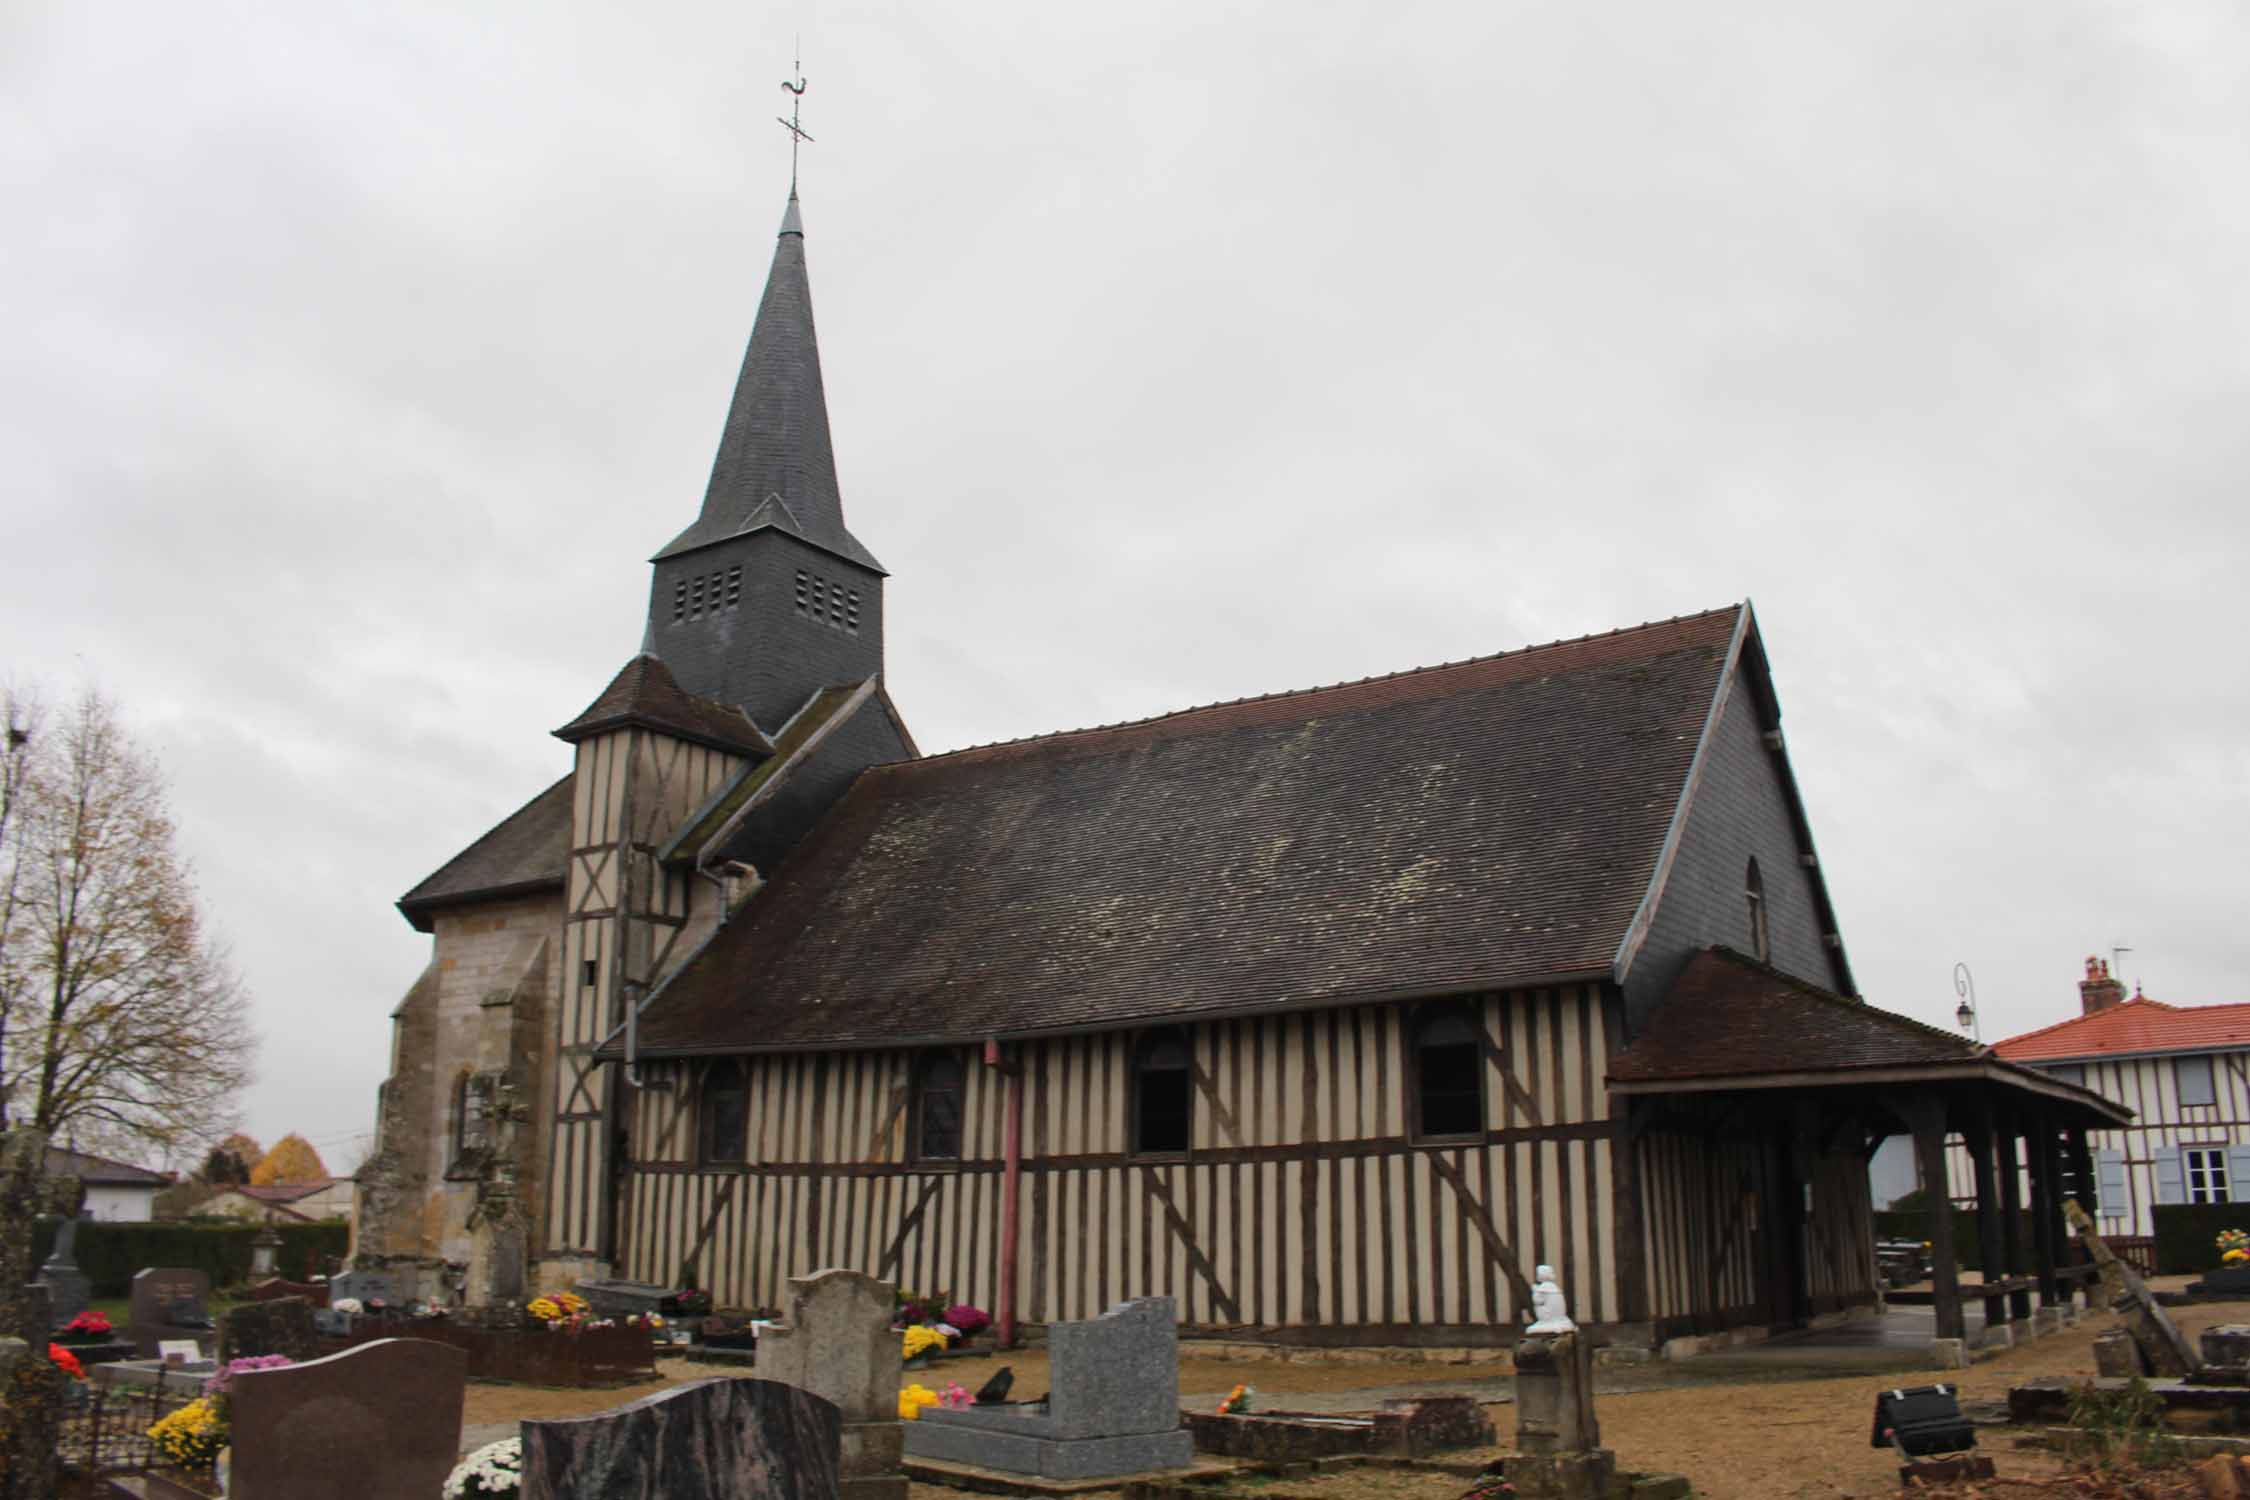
column 2235, row 1257
column 920, row 1340
column 912, row 1399
column 191, row 1436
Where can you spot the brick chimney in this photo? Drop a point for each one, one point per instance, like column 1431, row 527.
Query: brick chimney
column 2097, row 991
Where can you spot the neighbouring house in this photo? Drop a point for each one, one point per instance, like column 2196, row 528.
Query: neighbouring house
column 281, row 1203
column 115, row 1190
column 2183, row 1070
column 1331, row 1014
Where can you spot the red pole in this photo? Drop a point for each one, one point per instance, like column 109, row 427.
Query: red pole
column 1010, row 1198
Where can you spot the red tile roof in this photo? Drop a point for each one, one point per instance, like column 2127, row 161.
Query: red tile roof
column 2139, row 1025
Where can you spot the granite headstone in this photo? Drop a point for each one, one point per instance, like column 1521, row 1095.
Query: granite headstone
column 701, row 1441
column 838, row 1343
column 1113, row 1405
column 168, row 1302
column 380, row 1421
column 283, row 1326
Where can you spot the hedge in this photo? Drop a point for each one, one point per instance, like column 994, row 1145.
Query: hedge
column 2187, row 1234
column 110, row 1254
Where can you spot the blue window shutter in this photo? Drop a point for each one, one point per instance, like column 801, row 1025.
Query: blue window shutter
column 2109, row 1168
column 2238, row 1174
column 2171, row 1175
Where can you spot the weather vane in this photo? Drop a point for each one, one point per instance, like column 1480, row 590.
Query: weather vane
column 796, row 132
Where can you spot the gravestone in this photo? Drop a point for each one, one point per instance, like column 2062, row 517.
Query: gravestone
column 68, row 1290
column 838, row 1343
column 1113, row 1405
column 381, row 1421
column 1557, row 1434
column 711, row 1438
column 283, row 1326
column 168, row 1302
column 314, row 1292
column 2161, row 1343
column 363, row 1287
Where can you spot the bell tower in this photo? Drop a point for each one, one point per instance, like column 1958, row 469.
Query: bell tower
column 767, row 598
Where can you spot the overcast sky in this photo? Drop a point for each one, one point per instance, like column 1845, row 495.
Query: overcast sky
column 357, row 358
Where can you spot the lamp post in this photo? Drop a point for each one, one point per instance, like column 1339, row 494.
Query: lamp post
column 1965, row 1014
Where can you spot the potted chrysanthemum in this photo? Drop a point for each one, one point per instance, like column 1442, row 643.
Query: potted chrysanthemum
column 494, row 1469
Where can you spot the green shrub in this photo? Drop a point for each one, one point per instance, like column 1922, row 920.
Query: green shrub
column 2187, row 1234
column 110, row 1254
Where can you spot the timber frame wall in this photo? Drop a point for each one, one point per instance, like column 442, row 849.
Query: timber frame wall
column 1302, row 1210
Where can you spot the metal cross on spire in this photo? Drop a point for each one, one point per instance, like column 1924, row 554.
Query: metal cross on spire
column 797, row 134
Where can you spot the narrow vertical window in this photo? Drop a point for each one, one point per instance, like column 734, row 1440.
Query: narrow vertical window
column 937, row 1109
column 734, row 587
column 695, row 599
column 1448, row 1074
column 835, row 604
column 679, row 600
column 1163, row 1095
column 723, row 1114
column 804, row 587
column 1754, row 896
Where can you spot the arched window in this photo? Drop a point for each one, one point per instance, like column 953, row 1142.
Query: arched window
column 1448, row 1073
column 723, row 1114
column 1754, row 894
column 1163, row 1095
column 937, row 1108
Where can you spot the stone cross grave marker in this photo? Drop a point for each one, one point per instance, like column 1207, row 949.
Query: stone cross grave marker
column 283, row 1325
column 68, row 1290
column 381, row 1421
column 837, row 1342
column 1112, row 1407
column 2162, row 1345
column 168, row 1302
column 702, row 1441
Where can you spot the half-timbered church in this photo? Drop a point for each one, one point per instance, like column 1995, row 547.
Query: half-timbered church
column 1330, row 1014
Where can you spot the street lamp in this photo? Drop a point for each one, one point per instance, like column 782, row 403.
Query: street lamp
column 1965, row 1016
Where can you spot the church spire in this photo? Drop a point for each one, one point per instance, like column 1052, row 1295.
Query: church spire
column 776, row 465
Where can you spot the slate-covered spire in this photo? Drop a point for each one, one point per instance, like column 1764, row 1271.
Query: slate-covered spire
column 776, row 466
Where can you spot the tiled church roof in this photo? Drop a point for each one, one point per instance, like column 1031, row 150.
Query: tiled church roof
column 1727, row 1015
column 1488, row 823
column 646, row 692
column 527, row 850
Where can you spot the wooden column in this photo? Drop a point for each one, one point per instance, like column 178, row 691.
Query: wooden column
column 1991, row 1252
column 2046, row 1209
column 1924, row 1113
column 2012, row 1248
column 2082, row 1167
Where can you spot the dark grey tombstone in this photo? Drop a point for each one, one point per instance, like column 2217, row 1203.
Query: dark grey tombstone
column 68, row 1290
column 282, row 1326
column 381, row 1421
column 713, row 1438
column 168, row 1302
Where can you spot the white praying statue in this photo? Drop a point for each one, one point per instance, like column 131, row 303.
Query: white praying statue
column 1549, row 1311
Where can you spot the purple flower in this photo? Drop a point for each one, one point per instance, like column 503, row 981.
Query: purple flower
column 217, row 1384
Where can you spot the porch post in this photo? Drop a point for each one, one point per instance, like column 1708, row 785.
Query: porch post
column 2045, row 1210
column 2081, row 1168
column 1990, row 1251
column 2011, row 1216
column 1925, row 1113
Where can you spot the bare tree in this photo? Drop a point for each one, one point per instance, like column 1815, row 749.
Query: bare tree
column 121, row 1021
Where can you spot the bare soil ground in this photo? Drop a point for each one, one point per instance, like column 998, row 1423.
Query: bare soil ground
column 1770, row 1440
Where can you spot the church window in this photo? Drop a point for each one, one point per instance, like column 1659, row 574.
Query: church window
column 734, row 587
column 804, row 588
column 851, row 610
column 937, row 1108
column 1448, row 1076
column 679, row 601
column 723, row 1114
column 835, row 604
column 590, row 971
column 695, row 600
column 1754, row 894
column 1163, row 1095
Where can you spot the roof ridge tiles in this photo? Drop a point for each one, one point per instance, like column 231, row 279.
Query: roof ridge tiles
column 1328, row 687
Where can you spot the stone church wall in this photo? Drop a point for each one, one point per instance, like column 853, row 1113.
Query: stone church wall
column 483, row 1007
